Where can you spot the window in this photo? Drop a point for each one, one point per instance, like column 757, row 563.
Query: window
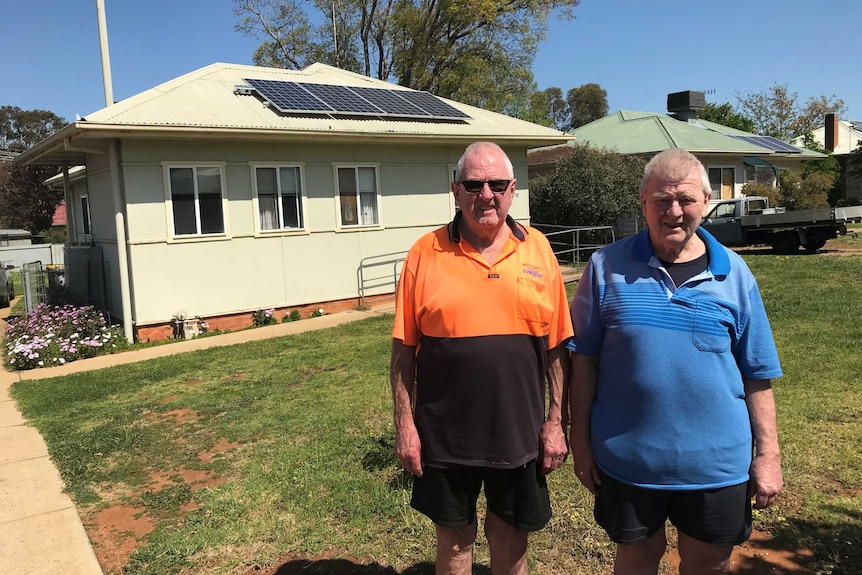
column 279, row 197
column 721, row 180
column 85, row 216
column 196, row 200
column 357, row 194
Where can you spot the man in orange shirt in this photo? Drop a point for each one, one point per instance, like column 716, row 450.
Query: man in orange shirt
column 481, row 324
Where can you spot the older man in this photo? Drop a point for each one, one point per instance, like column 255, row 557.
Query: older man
column 480, row 324
column 670, row 383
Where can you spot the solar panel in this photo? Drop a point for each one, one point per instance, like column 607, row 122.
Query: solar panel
column 295, row 97
column 769, row 143
column 433, row 105
column 342, row 99
column 289, row 96
column 391, row 101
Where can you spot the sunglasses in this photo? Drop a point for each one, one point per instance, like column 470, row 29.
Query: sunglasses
column 476, row 186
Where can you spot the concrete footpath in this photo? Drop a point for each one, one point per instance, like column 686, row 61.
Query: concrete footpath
column 40, row 530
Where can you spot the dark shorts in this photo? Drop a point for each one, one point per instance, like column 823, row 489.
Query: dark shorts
column 517, row 496
column 631, row 514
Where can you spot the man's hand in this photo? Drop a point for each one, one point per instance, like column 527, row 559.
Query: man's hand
column 766, row 480
column 586, row 469
column 554, row 448
column 408, row 449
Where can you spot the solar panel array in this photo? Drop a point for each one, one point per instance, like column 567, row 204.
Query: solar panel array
column 304, row 98
column 769, row 143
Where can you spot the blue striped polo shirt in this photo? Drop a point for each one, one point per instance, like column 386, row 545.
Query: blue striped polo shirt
column 670, row 409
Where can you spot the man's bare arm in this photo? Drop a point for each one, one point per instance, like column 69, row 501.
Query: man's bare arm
column 402, row 376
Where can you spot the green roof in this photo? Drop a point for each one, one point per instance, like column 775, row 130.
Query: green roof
column 630, row 132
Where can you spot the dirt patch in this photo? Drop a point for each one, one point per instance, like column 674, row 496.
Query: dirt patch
column 757, row 556
column 116, row 533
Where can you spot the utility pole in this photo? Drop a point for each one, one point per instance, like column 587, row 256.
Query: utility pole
column 335, row 37
column 103, row 47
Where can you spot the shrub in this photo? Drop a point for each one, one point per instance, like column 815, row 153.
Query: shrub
column 55, row 335
column 263, row 317
column 590, row 187
column 318, row 312
column 292, row 316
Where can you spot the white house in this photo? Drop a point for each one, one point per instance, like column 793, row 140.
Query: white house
column 842, row 138
column 230, row 190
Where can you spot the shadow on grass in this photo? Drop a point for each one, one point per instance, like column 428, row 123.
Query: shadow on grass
column 348, row 567
column 810, row 547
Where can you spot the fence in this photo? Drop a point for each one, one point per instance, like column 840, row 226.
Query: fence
column 575, row 244
column 19, row 256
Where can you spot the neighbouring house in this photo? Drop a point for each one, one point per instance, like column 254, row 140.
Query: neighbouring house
column 842, row 138
column 234, row 189
column 731, row 157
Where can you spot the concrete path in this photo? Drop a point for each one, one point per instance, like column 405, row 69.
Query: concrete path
column 40, row 530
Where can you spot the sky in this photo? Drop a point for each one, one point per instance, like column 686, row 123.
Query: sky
column 637, row 50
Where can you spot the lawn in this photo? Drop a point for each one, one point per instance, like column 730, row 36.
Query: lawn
column 229, row 459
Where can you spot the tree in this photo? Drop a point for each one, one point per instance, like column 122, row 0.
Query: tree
column 558, row 109
column 475, row 51
column 25, row 202
column 21, row 129
column 725, row 115
column 586, row 104
column 776, row 112
column 590, row 187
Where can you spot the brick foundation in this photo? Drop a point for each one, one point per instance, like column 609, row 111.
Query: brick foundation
column 240, row 321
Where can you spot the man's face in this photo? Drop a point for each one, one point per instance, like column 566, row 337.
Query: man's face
column 673, row 210
column 485, row 211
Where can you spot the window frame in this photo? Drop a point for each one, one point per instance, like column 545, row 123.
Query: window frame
column 169, row 202
column 722, row 167
column 302, row 199
column 356, row 166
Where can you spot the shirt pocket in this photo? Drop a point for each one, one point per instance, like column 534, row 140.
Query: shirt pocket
column 713, row 325
column 534, row 305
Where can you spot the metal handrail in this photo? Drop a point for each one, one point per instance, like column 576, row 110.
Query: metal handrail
column 366, row 263
column 570, row 250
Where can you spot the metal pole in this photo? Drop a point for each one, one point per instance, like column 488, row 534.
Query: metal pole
column 103, row 47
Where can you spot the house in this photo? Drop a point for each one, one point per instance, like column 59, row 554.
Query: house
column 732, row 157
column 234, row 189
column 842, row 138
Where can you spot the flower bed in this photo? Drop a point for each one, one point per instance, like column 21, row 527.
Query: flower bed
column 55, row 335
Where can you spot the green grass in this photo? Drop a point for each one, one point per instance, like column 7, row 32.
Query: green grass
column 311, row 468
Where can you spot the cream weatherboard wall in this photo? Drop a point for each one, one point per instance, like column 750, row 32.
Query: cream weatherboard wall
column 246, row 269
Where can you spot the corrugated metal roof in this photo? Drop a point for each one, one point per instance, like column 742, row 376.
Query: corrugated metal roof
column 631, row 132
column 205, row 103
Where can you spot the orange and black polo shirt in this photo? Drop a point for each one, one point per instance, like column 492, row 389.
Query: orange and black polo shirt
column 482, row 334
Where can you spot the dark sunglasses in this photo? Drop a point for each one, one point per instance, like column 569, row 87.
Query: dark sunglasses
column 476, row 186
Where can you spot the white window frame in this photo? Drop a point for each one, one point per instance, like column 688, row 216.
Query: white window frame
column 169, row 204
column 302, row 199
column 377, row 197
column 454, row 208
column 733, row 185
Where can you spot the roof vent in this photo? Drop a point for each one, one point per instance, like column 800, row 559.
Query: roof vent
column 685, row 105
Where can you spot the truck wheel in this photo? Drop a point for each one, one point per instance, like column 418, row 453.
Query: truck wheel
column 785, row 243
column 814, row 244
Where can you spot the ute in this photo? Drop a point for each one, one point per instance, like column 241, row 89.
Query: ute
column 751, row 221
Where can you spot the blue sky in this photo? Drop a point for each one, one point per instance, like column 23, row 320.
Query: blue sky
column 637, row 50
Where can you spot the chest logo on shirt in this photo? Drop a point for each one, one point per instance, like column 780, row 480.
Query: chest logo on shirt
column 534, row 271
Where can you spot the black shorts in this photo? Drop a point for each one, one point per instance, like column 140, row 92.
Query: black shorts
column 517, row 496
column 631, row 514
